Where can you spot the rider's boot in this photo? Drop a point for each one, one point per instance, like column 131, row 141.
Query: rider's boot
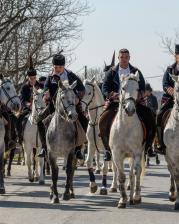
column 161, row 148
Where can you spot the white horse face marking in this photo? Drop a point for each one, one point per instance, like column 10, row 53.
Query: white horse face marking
column 38, row 103
column 67, row 99
column 8, row 96
column 129, row 93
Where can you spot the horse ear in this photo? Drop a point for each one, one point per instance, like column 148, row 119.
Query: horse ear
column 60, row 85
column 93, row 79
column 73, row 85
column 136, row 75
column 122, row 77
column 35, row 90
column 174, row 77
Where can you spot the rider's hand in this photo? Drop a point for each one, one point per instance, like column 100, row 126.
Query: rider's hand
column 114, row 96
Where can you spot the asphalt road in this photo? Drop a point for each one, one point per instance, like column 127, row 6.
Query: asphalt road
column 29, row 203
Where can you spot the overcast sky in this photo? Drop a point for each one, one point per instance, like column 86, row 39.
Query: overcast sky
column 135, row 25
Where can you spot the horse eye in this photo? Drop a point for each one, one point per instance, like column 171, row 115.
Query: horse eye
column 8, row 88
column 89, row 93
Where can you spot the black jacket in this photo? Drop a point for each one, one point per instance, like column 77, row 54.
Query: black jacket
column 53, row 86
column 167, row 79
column 152, row 103
column 112, row 82
column 26, row 93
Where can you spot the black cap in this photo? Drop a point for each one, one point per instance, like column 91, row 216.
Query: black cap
column 58, row 59
column 177, row 49
column 148, row 87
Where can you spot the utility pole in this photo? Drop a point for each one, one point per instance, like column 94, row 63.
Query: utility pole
column 86, row 72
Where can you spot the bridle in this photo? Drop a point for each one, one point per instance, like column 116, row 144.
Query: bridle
column 65, row 108
column 124, row 101
column 10, row 99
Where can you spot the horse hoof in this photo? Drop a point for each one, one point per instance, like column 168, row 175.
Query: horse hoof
column 177, row 206
column 18, row 163
column 158, row 162
column 63, row 168
column 103, row 191
column 128, row 188
column 8, row 173
column 48, row 172
column 72, row 195
column 55, row 201
column 110, row 170
column 41, row 182
column 66, row 196
column 51, row 196
column 172, row 198
column 31, row 180
column 137, row 201
column 2, row 190
column 36, row 179
column 131, row 202
column 97, row 172
column 121, row 205
column 23, row 163
column 93, row 189
column 113, row 190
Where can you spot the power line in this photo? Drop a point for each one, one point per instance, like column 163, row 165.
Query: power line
column 152, row 77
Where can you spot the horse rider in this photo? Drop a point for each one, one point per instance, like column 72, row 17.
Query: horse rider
column 60, row 73
column 26, row 96
column 167, row 101
column 151, row 99
column 110, row 89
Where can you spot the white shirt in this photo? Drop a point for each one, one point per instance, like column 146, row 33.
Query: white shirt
column 123, row 71
column 63, row 77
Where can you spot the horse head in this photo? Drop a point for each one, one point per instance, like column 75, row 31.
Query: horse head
column 176, row 89
column 66, row 101
column 129, row 88
column 8, row 95
column 38, row 103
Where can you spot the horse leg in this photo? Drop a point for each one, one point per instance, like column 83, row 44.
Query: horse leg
column 64, row 163
column 5, row 158
column 41, row 165
column 98, row 169
column 29, row 163
column 131, row 182
column 177, row 186
column 110, row 166
column 122, row 178
column 69, row 173
column 89, row 162
column 172, row 191
column 138, row 171
column 11, row 157
column 103, row 190
column 157, row 160
column 113, row 188
column 47, row 166
column 71, row 181
column 2, row 188
column 54, row 192
column 36, row 165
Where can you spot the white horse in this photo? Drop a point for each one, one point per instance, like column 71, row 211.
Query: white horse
column 8, row 97
column 61, row 139
column 31, row 142
column 126, row 138
column 94, row 101
column 171, row 134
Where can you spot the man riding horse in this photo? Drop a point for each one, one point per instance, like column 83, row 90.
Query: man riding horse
column 60, row 73
column 26, row 95
column 110, row 90
column 167, row 99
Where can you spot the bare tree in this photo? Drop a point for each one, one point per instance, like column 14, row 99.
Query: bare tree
column 94, row 72
column 37, row 28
